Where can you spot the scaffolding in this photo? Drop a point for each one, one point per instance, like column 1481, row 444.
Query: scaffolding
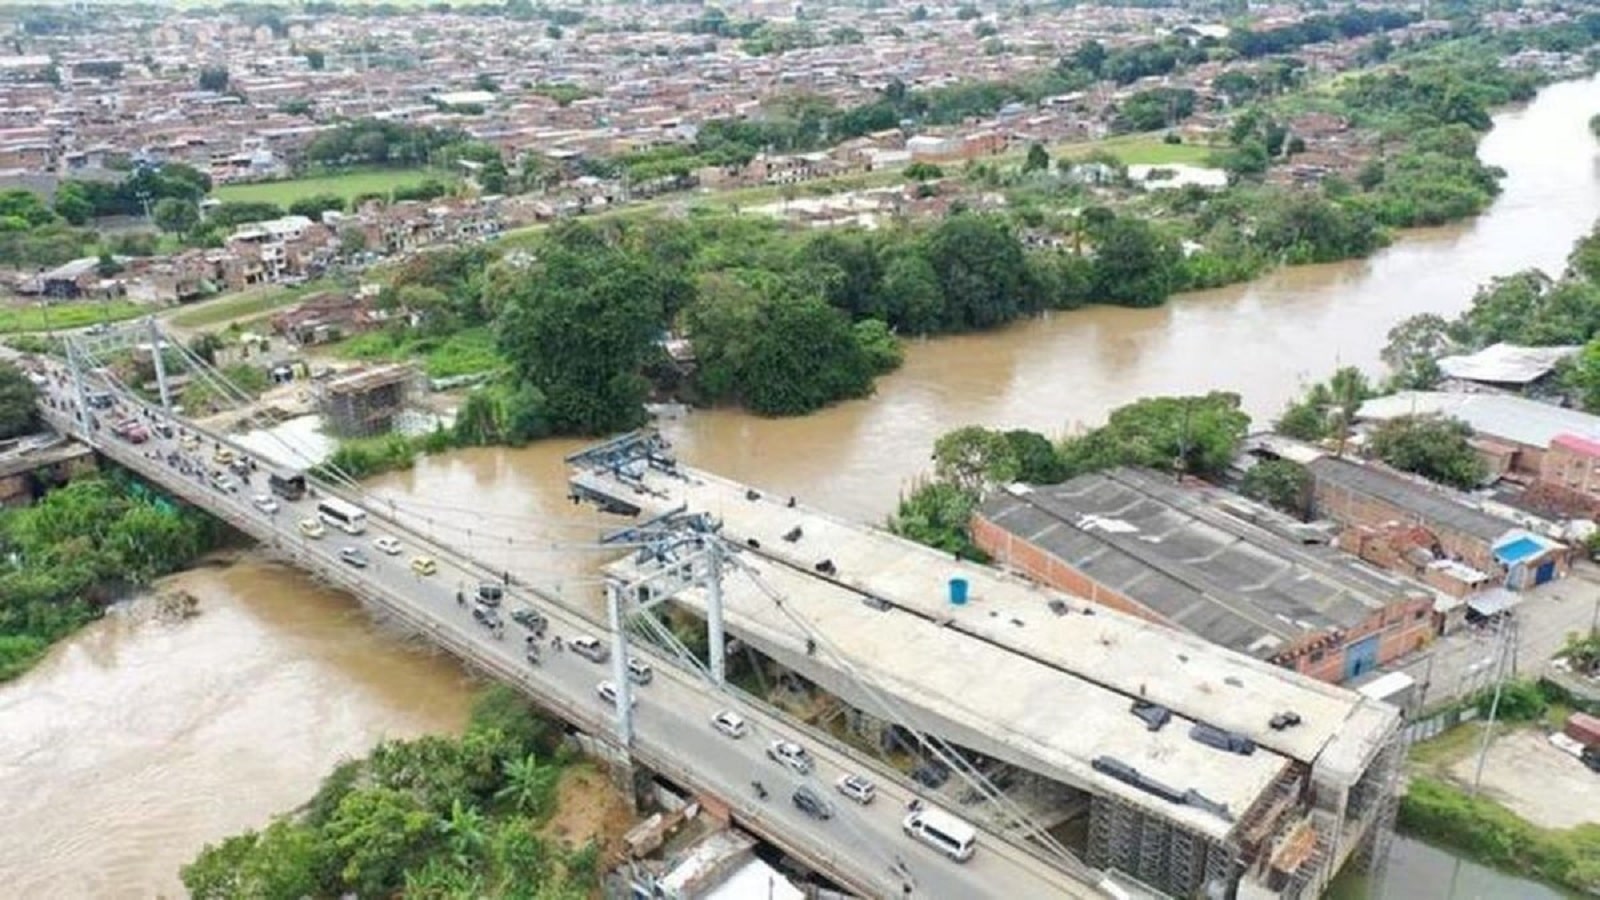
column 368, row 402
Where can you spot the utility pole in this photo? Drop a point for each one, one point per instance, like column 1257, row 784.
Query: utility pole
column 619, row 665
column 161, row 366
column 1507, row 634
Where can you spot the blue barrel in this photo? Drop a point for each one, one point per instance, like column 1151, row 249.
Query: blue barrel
column 958, row 591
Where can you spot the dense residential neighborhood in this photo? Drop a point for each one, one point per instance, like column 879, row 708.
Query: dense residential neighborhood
column 872, row 448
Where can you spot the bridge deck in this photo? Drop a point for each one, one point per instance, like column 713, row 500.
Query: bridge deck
column 1108, row 650
column 984, row 696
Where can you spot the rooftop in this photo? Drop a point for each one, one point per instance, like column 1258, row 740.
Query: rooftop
column 1432, row 504
column 1183, row 555
column 1114, row 653
column 1524, row 421
column 1506, row 363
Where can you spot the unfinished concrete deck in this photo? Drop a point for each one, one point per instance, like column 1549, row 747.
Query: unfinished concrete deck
column 1117, row 653
column 981, row 695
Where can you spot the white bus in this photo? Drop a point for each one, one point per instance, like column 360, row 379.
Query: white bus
column 342, row 515
column 943, row 832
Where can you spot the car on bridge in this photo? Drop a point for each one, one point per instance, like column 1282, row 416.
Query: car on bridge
column 639, row 671
column 352, row 556
column 857, row 788
column 943, row 832
column 488, row 618
column 730, row 723
column 312, row 528
column 790, row 754
column 265, row 502
column 589, row 648
column 223, row 456
column 424, row 565
column 490, row 594
column 222, row 482
column 530, row 619
column 388, row 545
column 812, row 804
column 608, row 692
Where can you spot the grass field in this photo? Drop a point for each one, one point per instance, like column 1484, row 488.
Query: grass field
column 14, row 319
column 245, row 303
column 344, row 184
column 467, row 352
column 1139, row 150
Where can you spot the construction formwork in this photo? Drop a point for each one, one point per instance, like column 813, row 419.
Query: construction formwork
column 366, row 403
column 1158, row 853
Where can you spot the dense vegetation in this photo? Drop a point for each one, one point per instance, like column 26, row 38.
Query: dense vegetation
column 80, row 547
column 1191, row 435
column 19, row 407
column 430, row 817
column 1489, row 833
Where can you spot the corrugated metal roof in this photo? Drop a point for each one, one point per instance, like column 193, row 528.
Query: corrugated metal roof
column 1516, row 419
column 1505, row 363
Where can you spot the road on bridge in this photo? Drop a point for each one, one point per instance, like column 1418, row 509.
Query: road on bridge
column 861, row 845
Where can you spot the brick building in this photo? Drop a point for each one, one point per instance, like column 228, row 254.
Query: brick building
column 1368, row 497
column 1212, row 563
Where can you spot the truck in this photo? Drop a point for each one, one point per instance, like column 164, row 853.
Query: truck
column 289, row 485
column 1584, row 729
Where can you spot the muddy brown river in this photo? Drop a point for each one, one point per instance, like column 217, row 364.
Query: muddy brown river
column 139, row 740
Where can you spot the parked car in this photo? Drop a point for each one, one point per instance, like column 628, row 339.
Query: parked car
column 387, row 544
column 589, row 648
column 352, row 556
column 487, row 617
column 811, row 803
column 790, row 754
column 857, row 788
column 490, row 594
column 730, row 723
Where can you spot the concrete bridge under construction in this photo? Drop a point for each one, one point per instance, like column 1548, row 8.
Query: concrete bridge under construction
column 1095, row 754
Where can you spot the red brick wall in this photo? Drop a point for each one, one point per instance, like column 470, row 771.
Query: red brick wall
column 1046, row 569
column 1354, row 508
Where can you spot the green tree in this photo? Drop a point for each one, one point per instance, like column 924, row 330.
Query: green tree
column 975, row 459
column 981, row 269
column 1281, row 483
column 938, row 514
column 1582, row 376
column 923, row 171
column 379, row 833
column 911, row 293
column 1038, row 159
column 1134, row 265
column 214, row 79
column 464, row 834
column 19, row 402
column 579, row 328
column 177, row 216
column 1037, row 459
column 1434, row 447
column 313, row 206
column 73, row 204
column 530, row 787
column 1413, row 351
column 1195, row 435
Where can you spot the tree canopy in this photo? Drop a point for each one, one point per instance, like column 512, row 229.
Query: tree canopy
column 19, row 408
column 1431, row 446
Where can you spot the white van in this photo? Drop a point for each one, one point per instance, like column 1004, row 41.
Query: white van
column 943, row 832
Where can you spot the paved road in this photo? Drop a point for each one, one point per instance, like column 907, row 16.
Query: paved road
column 860, row 845
column 1461, row 663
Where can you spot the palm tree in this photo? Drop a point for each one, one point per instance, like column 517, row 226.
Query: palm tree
column 530, row 787
column 442, row 880
column 464, row 833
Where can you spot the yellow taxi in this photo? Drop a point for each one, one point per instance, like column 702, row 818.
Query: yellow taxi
column 223, row 456
column 312, row 528
column 424, row 565
column 189, row 443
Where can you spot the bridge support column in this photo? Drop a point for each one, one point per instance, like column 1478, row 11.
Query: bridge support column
column 716, row 640
column 75, row 367
column 619, row 667
column 160, row 364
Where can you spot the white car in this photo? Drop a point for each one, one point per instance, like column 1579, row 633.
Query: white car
column 790, row 754
column 312, row 528
column 387, row 545
column 730, row 723
column 264, row 502
column 857, row 788
column 608, row 692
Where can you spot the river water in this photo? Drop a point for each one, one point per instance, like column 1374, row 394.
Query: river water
column 138, row 741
